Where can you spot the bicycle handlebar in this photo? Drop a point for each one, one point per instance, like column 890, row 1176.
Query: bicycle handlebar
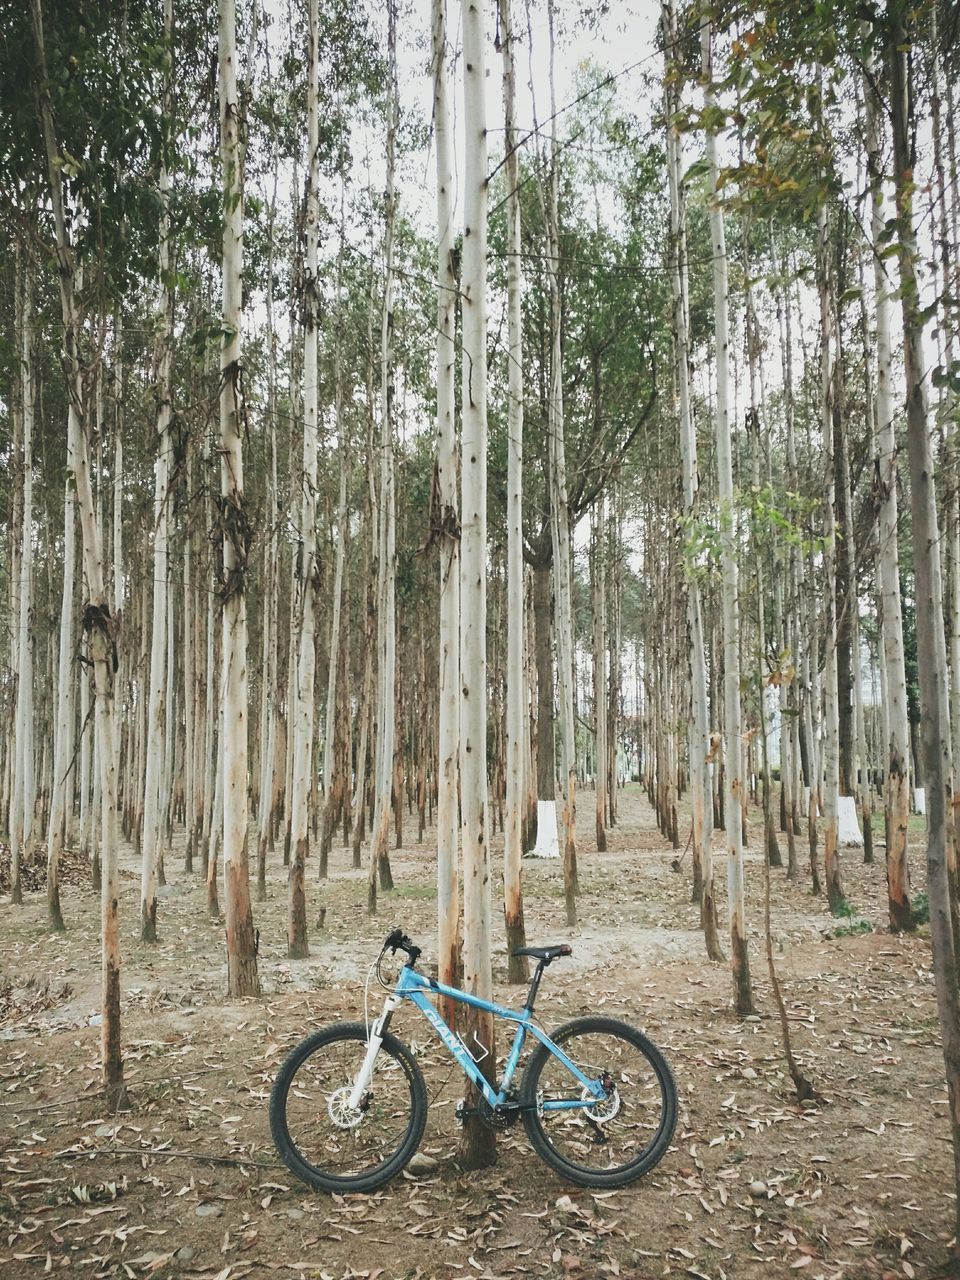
column 398, row 941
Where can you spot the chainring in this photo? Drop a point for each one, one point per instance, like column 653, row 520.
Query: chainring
column 496, row 1118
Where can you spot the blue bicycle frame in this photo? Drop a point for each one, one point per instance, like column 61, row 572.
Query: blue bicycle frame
column 412, row 986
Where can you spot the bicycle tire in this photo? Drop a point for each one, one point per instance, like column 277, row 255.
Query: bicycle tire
column 358, row 1154
column 642, row 1104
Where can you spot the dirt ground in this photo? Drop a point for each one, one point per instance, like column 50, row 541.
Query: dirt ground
column 187, row 1183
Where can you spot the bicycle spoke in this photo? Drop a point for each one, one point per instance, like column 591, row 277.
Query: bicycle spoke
column 316, row 1127
column 617, row 1136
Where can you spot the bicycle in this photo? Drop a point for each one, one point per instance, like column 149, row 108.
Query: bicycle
column 348, row 1106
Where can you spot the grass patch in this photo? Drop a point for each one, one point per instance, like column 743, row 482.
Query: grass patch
column 415, row 891
column 920, row 905
column 853, row 929
column 843, row 909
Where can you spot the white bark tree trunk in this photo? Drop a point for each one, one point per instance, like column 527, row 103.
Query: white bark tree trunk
column 517, row 967
column 831, row 695
column 598, row 598
column 302, row 695
column 336, row 605
column 560, row 519
column 387, row 555
column 743, row 998
column 446, row 529
column 268, row 706
column 478, row 1147
column 701, row 798
column 931, row 643
column 98, row 621
column 24, row 785
column 157, row 707
column 897, row 743
column 242, row 977
column 63, row 751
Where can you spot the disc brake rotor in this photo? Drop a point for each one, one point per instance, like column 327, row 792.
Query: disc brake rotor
column 339, row 1110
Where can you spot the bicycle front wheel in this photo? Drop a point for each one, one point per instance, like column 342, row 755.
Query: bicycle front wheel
column 605, row 1141
column 319, row 1137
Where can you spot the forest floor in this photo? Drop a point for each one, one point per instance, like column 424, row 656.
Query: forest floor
column 187, row 1183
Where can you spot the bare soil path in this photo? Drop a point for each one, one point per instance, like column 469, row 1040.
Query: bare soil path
column 187, row 1184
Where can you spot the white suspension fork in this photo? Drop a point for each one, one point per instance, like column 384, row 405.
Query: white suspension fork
column 374, row 1041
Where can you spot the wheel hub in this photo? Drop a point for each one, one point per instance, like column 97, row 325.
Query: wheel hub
column 601, row 1110
column 341, row 1113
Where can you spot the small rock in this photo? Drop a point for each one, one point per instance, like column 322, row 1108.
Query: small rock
column 295, row 1214
column 95, row 1020
column 184, row 1254
column 758, row 1189
column 420, row 1163
column 748, row 1073
column 208, row 1211
column 752, row 1017
column 105, row 1130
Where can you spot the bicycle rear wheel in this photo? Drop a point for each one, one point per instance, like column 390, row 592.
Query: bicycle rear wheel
column 319, row 1138
column 605, row 1142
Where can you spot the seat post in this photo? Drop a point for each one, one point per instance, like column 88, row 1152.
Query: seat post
column 534, row 986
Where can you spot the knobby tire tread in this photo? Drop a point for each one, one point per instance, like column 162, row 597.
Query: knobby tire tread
column 539, row 1140
column 286, row 1147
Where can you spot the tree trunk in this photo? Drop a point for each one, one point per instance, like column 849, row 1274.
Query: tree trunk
column 63, row 753
column 24, row 785
column 743, row 998
column 98, row 620
column 387, row 557
column 599, row 600
column 897, row 744
column 302, row 702
column 931, row 645
column 271, row 561
column 242, row 977
column 340, row 555
column 560, row 519
column 829, row 375
column 517, row 966
column 157, row 709
column 698, row 738
column 478, row 1142
column 445, row 528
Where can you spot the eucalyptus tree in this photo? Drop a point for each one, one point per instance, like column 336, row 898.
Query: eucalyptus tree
column 61, row 809
column 242, row 979
column 517, row 968
column 829, row 392
column 897, row 744
column 898, row 35
column 386, row 506
column 24, row 776
column 445, row 526
column 478, row 1146
column 699, row 727
column 159, row 710
column 941, row 66
column 733, row 763
column 340, row 559
column 59, row 100
column 306, row 568
column 559, row 506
